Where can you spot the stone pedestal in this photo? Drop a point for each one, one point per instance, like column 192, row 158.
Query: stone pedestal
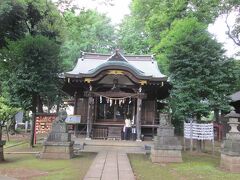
column 167, row 147
column 230, row 162
column 58, row 144
column 2, row 143
column 230, row 152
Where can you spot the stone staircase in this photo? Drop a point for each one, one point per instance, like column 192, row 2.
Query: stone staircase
column 82, row 145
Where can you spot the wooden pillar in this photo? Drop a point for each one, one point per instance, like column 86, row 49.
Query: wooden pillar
column 115, row 111
column 89, row 117
column 92, row 100
column 75, row 103
column 133, row 111
column 138, row 118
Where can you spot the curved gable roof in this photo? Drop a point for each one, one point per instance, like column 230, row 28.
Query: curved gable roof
column 143, row 67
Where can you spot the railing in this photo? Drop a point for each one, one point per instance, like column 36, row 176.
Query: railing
column 100, row 133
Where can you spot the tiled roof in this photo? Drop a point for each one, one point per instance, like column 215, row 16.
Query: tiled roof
column 235, row 97
column 91, row 63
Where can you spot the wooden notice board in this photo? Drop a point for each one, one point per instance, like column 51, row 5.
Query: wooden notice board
column 43, row 123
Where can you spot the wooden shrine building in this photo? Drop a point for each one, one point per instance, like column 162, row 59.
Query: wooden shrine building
column 105, row 88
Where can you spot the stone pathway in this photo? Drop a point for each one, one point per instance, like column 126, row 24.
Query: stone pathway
column 7, row 178
column 110, row 166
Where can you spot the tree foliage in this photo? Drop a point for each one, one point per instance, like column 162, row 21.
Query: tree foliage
column 176, row 32
column 200, row 73
column 32, row 64
column 35, row 17
column 12, row 16
column 6, row 113
column 89, row 31
column 28, row 76
column 158, row 15
column 132, row 37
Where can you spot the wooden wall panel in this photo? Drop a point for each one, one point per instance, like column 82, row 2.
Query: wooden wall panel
column 82, row 108
column 148, row 111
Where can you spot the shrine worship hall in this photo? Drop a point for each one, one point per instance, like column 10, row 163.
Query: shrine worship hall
column 104, row 89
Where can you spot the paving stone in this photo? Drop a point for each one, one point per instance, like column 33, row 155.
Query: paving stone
column 7, row 178
column 110, row 165
column 89, row 178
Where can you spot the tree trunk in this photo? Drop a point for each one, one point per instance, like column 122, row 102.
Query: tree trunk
column 39, row 104
column 216, row 115
column 0, row 132
column 48, row 106
column 58, row 107
column 34, row 107
column 199, row 142
column 1, row 146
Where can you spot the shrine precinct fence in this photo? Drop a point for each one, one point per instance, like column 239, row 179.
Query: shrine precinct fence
column 197, row 131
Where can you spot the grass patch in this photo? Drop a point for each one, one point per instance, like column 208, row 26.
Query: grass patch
column 33, row 168
column 13, row 143
column 194, row 166
column 27, row 166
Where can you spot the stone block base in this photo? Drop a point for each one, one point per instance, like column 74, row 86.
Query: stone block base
column 52, row 155
column 166, row 156
column 57, row 151
column 230, row 163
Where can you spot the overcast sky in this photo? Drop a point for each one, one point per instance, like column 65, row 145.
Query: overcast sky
column 120, row 8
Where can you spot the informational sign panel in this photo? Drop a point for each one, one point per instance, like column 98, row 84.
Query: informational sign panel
column 73, row 119
column 44, row 123
column 198, row 131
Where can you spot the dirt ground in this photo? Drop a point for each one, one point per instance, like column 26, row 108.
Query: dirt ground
column 22, row 173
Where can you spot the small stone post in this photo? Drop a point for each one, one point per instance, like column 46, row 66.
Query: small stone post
column 230, row 152
column 166, row 147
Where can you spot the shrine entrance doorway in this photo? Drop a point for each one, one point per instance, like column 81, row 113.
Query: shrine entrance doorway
column 114, row 109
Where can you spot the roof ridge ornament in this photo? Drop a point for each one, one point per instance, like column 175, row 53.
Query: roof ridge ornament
column 117, row 56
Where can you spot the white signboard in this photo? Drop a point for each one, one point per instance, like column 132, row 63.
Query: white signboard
column 73, row 119
column 198, row 131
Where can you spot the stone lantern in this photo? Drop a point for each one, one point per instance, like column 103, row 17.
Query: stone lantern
column 230, row 152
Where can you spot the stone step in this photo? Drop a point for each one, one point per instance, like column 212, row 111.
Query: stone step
column 99, row 148
column 111, row 145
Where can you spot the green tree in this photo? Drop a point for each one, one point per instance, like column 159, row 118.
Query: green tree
column 32, row 64
column 6, row 113
column 31, row 33
column 21, row 17
column 158, row 15
column 12, row 16
column 200, row 73
column 89, row 31
column 132, row 37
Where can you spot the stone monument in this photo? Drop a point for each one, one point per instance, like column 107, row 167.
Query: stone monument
column 230, row 152
column 58, row 144
column 166, row 148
